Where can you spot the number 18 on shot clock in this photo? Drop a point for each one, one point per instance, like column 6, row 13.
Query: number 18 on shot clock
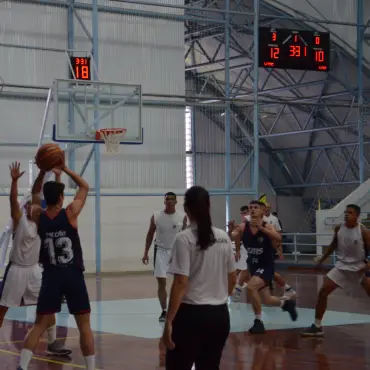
column 292, row 49
column 81, row 67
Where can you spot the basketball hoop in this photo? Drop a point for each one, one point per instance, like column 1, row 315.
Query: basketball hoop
column 112, row 138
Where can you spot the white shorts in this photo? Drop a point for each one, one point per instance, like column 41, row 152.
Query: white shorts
column 242, row 263
column 161, row 261
column 349, row 281
column 21, row 284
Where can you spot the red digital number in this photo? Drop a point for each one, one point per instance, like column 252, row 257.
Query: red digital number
column 274, row 36
column 295, row 38
column 319, row 56
column 295, row 51
column 82, row 73
column 274, row 53
column 305, row 51
column 317, row 40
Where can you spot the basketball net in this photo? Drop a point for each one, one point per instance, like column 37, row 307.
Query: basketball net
column 112, row 139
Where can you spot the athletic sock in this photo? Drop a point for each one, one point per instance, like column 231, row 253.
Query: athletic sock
column 287, row 287
column 90, row 362
column 259, row 317
column 26, row 356
column 52, row 334
column 318, row 323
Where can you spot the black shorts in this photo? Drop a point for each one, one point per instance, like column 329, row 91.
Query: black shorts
column 199, row 333
column 59, row 282
column 266, row 273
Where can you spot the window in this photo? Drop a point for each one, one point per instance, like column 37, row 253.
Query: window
column 189, row 169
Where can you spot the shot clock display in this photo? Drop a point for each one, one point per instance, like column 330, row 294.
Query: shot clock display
column 289, row 49
column 81, row 68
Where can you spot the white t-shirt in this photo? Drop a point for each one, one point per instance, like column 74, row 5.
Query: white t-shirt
column 167, row 226
column 207, row 270
column 26, row 243
column 273, row 220
column 264, row 218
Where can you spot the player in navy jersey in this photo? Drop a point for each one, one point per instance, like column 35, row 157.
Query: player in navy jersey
column 260, row 240
column 62, row 260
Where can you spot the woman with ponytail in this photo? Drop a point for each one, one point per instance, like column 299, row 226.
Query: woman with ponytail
column 203, row 264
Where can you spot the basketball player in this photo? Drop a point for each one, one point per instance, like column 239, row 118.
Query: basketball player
column 22, row 279
column 61, row 257
column 350, row 243
column 260, row 239
column 245, row 276
column 165, row 225
column 273, row 220
column 240, row 258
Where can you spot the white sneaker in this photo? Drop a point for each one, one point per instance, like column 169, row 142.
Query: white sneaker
column 289, row 293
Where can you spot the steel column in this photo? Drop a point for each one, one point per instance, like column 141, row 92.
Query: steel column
column 95, row 53
column 71, row 117
column 255, row 186
column 227, row 112
column 360, row 55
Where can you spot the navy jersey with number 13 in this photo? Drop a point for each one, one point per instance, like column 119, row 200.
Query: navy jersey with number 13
column 60, row 242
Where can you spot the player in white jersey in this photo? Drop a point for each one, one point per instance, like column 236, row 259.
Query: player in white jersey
column 350, row 243
column 22, row 279
column 241, row 256
column 273, row 220
column 165, row 225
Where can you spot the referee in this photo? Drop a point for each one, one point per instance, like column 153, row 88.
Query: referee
column 203, row 264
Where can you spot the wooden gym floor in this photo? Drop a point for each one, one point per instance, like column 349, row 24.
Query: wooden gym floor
column 125, row 321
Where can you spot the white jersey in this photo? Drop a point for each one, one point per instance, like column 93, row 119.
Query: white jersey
column 274, row 221
column 167, row 226
column 350, row 252
column 26, row 243
column 248, row 218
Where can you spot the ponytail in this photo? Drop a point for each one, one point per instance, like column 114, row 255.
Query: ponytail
column 197, row 205
column 206, row 237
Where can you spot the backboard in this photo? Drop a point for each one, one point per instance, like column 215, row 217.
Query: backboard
column 81, row 107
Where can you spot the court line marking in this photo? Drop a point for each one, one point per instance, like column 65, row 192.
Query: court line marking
column 45, row 359
column 65, row 338
column 11, row 353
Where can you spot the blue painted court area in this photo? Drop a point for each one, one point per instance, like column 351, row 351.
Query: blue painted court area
column 139, row 317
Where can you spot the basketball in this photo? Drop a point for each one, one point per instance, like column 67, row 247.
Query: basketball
column 49, row 156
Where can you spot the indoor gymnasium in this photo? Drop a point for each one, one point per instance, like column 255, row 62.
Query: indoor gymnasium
column 140, row 105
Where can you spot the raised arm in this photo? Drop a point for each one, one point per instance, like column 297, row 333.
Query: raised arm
column 149, row 240
column 75, row 207
column 37, row 187
column 15, row 209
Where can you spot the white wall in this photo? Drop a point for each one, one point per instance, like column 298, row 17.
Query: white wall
column 132, row 50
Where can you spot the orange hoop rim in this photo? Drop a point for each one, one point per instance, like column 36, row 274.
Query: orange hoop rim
column 109, row 131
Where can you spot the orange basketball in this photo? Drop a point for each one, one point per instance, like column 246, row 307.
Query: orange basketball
column 49, row 156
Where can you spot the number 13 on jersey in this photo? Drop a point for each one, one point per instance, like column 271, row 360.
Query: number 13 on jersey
column 60, row 250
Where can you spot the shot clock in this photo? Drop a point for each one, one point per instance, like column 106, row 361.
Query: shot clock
column 81, row 67
column 290, row 49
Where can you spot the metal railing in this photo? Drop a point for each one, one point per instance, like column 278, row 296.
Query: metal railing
column 301, row 248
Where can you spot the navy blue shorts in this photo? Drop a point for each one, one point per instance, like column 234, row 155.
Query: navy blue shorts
column 266, row 273
column 59, row 282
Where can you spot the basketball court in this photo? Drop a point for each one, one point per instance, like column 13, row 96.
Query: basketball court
column 127, row 332
column 107, row 81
